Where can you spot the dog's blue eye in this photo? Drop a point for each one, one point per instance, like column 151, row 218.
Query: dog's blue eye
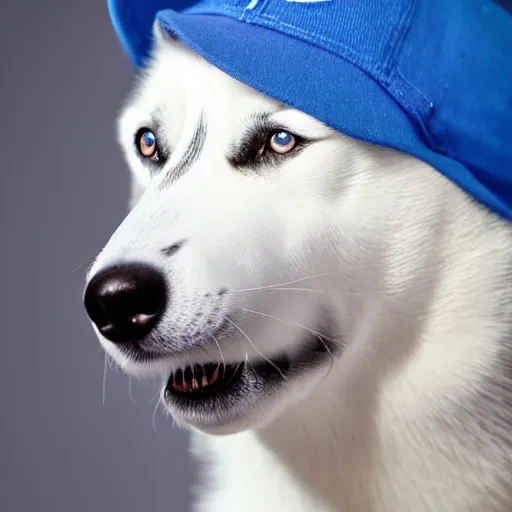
column 282, row 138
column 146, row 143
column 282, row 142
column 149, row 139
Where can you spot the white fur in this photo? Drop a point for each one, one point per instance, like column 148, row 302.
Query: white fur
column 412, row 415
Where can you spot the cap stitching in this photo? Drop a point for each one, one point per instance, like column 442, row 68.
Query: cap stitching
column 311, row 37
column 395, row 42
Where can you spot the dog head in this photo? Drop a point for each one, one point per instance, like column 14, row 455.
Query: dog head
column 258, row 242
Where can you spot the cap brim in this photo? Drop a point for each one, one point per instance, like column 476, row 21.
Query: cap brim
column 308, row 78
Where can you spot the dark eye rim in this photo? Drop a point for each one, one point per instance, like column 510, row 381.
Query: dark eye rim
column 266, row 149
column 297, row 138
column 253, row 149
column 155, row 157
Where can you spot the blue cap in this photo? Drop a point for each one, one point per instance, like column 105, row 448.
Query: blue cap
column 430, row 78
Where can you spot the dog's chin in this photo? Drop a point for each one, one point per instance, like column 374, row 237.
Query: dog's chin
column 220, row 399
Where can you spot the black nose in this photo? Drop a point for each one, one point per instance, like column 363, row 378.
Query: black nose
column 126, row 302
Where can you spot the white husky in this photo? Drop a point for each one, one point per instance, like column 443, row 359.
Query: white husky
column 332, row 320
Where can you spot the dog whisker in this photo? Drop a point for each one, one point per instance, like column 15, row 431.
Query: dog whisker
column 316, row 333
column 156, row 395
column 220, row 351
column 255, row 347
column 307, row 290
column 321, row 337
column 153, row 421
column 130, row 391
column 284, row 286
column 274, row 289
column 308, row 278
column 248, row 363
column 301, row 279
column 294, row 281
column 346, row 294
column 87, row 265
column 104, row 386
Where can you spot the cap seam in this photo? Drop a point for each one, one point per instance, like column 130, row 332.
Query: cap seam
column 396, row 41
column 249, row 13
column 311, row 38
column 417, row 110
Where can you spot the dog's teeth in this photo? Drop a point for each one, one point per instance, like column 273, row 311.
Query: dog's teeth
column 193, row 378
column 215, row 375
column 178, row 387
column 189, row 374
column 208, row 369
column 198, row 372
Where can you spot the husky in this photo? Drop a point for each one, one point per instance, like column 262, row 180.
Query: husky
column 330, row 319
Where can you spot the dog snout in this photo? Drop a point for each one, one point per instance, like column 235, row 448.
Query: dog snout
column 125, row 302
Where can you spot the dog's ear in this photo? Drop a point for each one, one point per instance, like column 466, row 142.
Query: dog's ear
column 161, row 37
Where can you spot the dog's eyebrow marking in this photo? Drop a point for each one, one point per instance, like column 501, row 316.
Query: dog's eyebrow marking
column 172, row 249
column 264, row 116
column 190, row 156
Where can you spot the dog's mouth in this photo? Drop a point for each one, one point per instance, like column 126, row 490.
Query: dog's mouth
column 219, row 394
column 202, row 381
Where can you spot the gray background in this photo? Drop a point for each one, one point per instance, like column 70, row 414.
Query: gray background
column 63, row 190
